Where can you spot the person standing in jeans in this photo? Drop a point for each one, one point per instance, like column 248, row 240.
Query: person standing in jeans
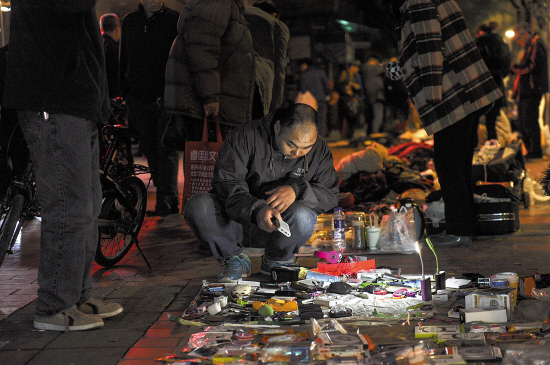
column 271, row 168
column 55, row 79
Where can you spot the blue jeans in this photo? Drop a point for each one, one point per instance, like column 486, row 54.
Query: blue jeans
column 65, row 154
column 206, row 216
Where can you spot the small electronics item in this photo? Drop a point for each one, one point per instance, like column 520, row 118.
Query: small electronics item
column 480, row 353
column 333, row 257
column 462, row 339
column 282, row 227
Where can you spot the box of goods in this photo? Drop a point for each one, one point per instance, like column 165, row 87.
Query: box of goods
column 484, row 298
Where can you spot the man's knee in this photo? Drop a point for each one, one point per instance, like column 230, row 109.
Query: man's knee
column 302, row 219
column 198, row 208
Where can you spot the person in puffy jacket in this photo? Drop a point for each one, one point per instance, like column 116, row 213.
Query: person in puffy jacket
column 210, row 70
column 274, row 168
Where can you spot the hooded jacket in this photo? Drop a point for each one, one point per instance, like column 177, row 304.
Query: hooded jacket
column 249, row 163
column 442, row 68
column 211, row 60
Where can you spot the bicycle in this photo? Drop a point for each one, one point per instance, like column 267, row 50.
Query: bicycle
column 123, row 206
column 19, row 204
column 124, row 200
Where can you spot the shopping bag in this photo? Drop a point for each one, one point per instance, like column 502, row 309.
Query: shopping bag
column 200, row 158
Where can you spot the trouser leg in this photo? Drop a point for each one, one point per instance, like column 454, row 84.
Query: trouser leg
column 204, row 214
column 453, row 152
column 528, row 119
column 65, row 155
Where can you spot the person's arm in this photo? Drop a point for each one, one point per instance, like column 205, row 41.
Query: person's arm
column 320, row 191
column 202, row 32
column 123, row 58
column 229, row 181
column 427, row 32
column 281, row 36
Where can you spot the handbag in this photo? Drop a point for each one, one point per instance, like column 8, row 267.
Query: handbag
column 200, row 158
column 174, row 134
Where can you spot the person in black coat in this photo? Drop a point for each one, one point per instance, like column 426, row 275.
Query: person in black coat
column 146, row 39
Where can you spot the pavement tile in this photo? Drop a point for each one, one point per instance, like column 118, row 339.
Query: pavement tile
column 179, row 331
column 150, row 353
column 157, row 342
column 81, row 356
column 138, row 362
column 97, row 338
column 27, row 340
column 17, row 357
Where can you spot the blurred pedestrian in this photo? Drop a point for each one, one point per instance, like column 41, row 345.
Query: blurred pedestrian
column 270, row 38
column 110, row 30
column 55, row 78
column 497, row 57
column 315, row 80
column 373, row 82
column 450, row 87
column 530, row 84
column 146, row 38
column 350, row 88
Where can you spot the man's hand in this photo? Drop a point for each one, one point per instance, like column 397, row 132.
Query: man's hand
column 281, row 198
column 212, row 109
column 263, row 219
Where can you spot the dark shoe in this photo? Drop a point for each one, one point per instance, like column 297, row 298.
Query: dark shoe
column 268, row 265
column 450, row 240
column 234, row 268
column 163, row 211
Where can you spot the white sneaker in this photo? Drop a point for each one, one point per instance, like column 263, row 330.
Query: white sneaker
column 68, row 320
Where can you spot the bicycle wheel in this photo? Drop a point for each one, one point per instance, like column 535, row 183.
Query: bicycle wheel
column 11, row 215
column 117, row 229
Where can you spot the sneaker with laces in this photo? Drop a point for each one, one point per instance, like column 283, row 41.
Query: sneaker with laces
column 68, row 320
column 100, row 308
column 234, row 268
column 268, row 265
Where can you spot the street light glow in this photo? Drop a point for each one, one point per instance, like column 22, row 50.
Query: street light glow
column 510, row 33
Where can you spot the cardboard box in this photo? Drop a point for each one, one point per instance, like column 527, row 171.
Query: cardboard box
column 484, row 315
column 484, row 298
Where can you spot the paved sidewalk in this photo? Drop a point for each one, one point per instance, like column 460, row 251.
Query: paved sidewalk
column 143, row 332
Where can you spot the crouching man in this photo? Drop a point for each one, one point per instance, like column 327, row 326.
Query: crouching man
column 269, row 169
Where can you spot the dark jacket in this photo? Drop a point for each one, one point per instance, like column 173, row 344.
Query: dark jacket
column 55, row 60
column 144, row 47
column 497, row 57
column 112, row 66
column 532, row 79
column 212, row 60
column 270, row 37
column 442, row 68
column 249, row 164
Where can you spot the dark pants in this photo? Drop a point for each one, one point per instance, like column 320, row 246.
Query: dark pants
column 491, row 122
column 453, row 153
column 149, row 119
column 65, row 155
column 206, row 216
column 528, row 122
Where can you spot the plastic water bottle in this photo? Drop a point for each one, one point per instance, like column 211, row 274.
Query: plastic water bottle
column 338, row 230
column 394, row 226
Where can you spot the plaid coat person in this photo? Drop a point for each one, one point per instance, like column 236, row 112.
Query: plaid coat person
column 441, row 66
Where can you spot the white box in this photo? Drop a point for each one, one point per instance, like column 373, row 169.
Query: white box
column 487, row 298
column 484, row 315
